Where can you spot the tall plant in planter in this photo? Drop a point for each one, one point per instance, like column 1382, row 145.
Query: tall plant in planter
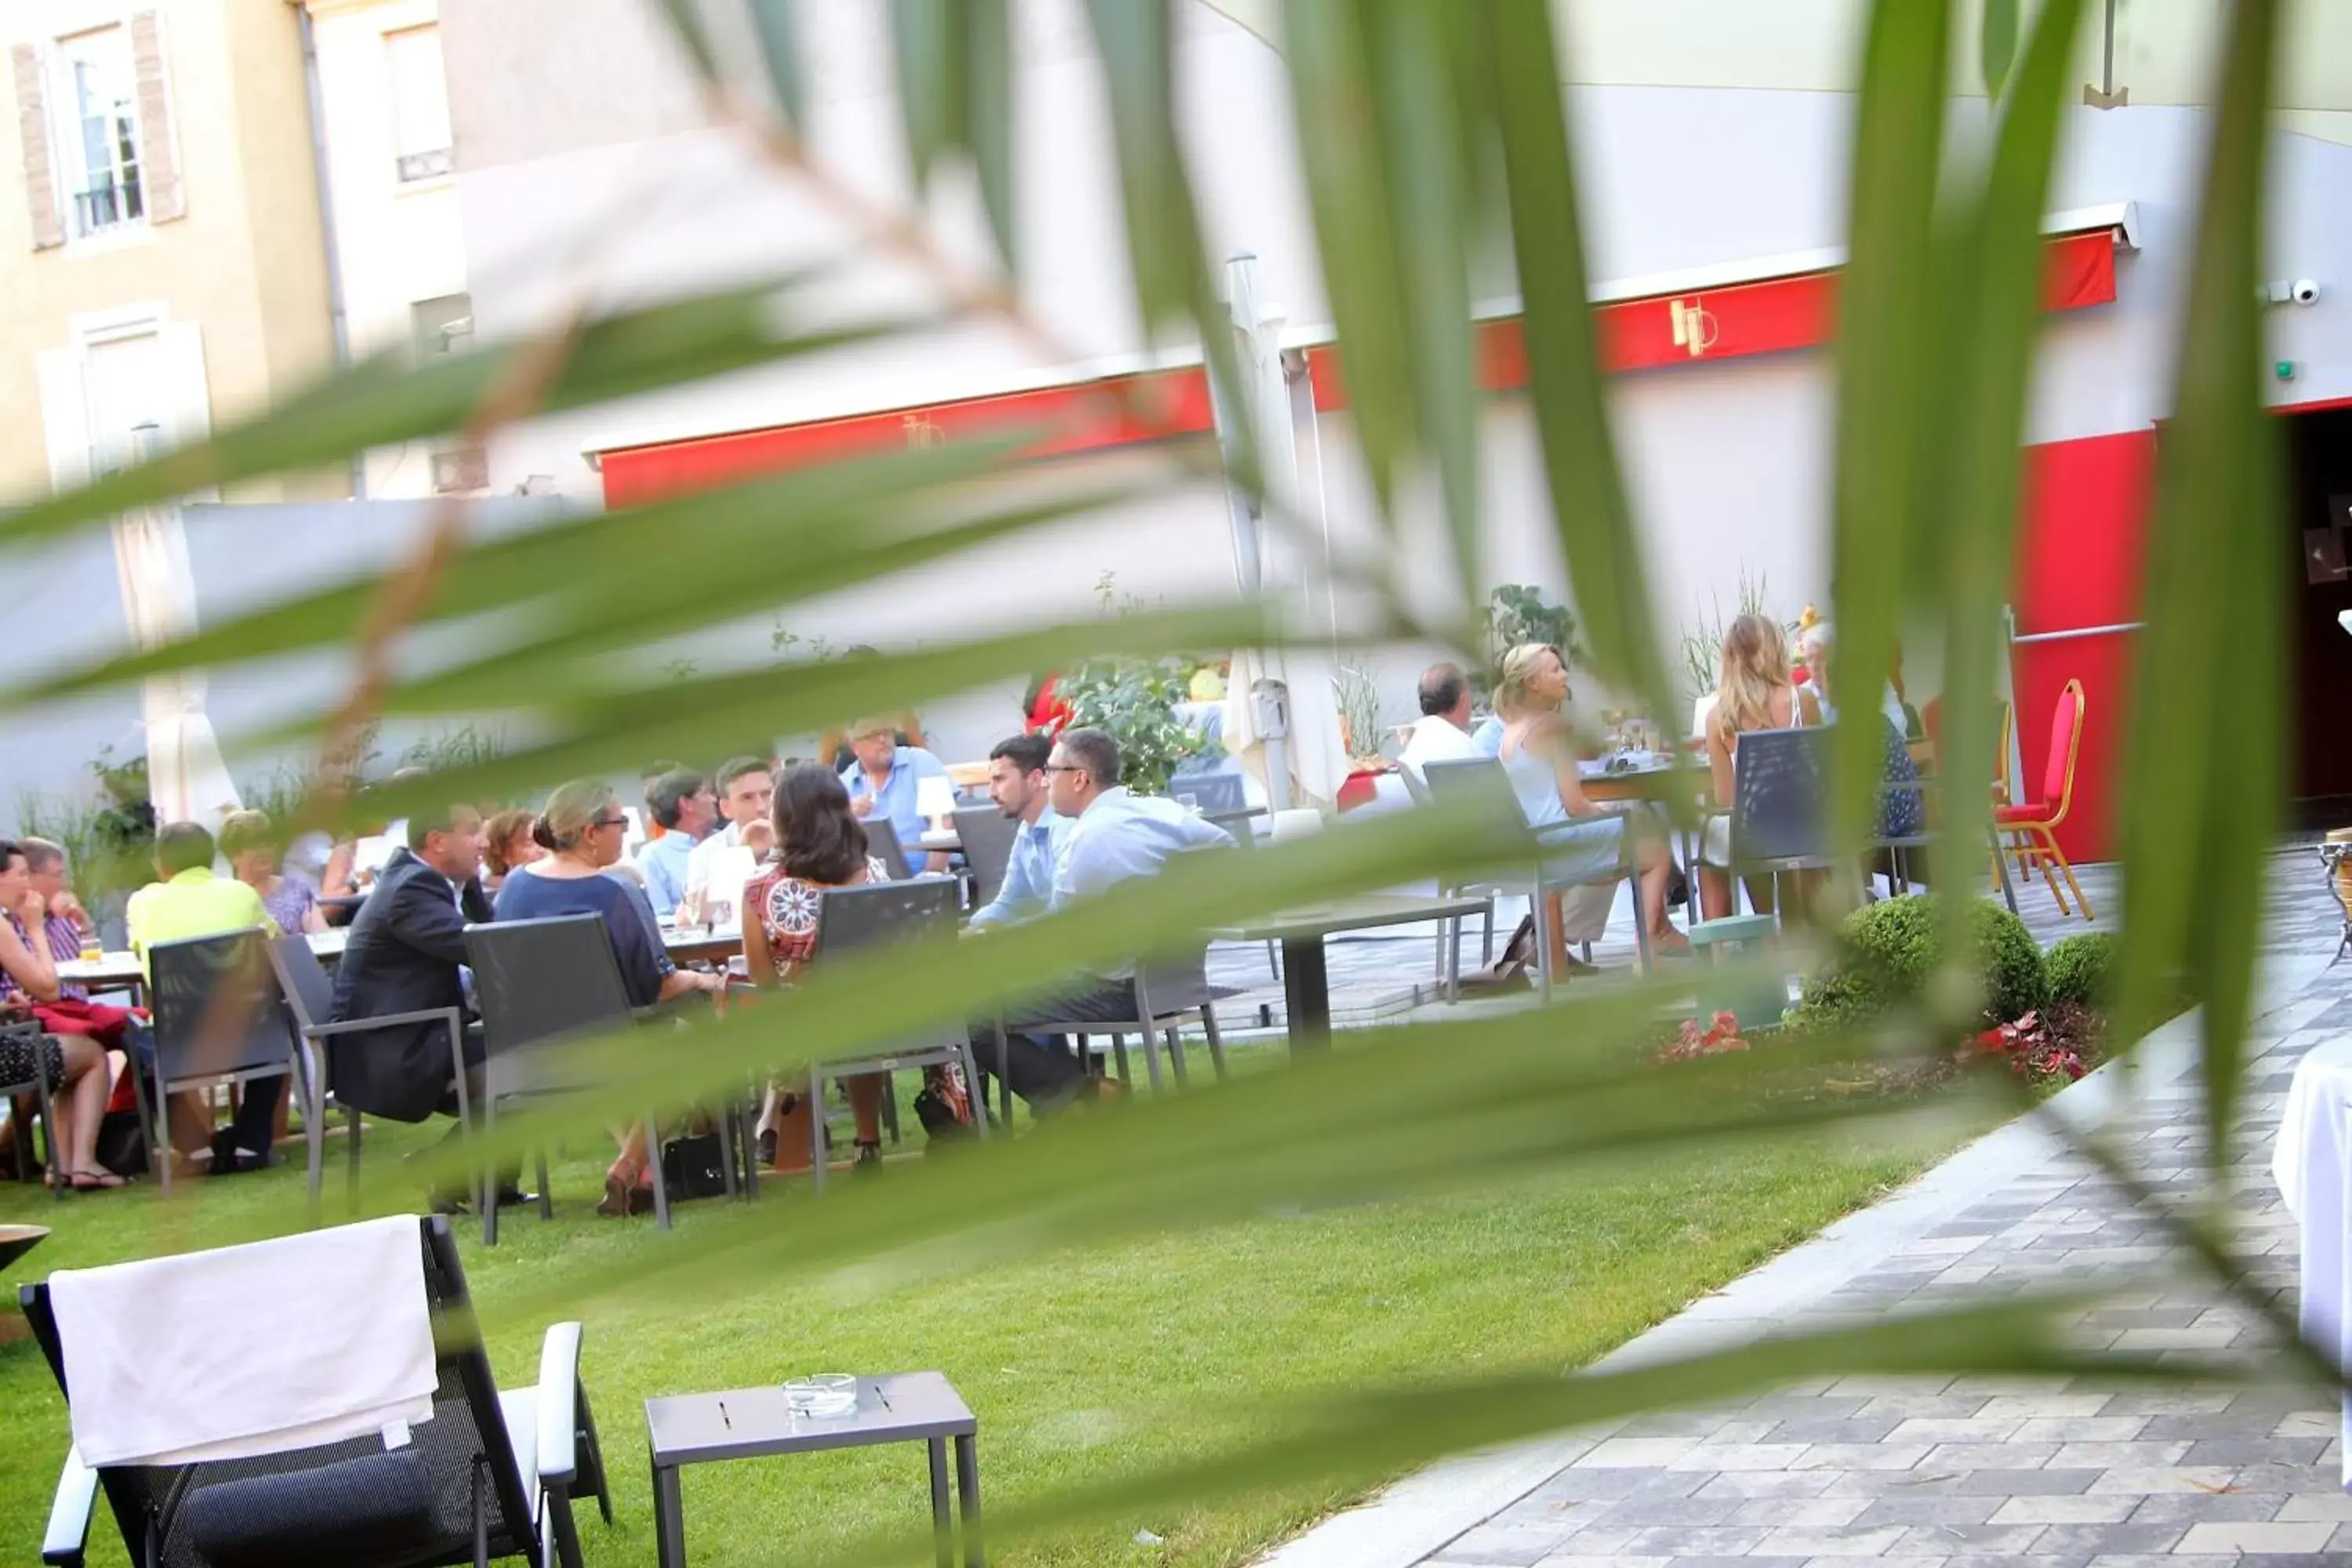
column 1133, row 701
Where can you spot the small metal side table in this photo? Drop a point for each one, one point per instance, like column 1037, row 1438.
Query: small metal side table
column 754, row 1422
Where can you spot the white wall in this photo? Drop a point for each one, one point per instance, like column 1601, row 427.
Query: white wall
column 1727, row 462
column 397, row 242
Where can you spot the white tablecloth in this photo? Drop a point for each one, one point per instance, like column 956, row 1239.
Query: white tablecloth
column 2312, row 1161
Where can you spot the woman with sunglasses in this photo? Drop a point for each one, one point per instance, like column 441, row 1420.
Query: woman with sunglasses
column 583, row 830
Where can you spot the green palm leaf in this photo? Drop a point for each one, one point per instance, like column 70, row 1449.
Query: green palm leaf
column 1884, row 401
column 1588, row 494
column 380, row 403
column 1993, row 270
column 2204, row 757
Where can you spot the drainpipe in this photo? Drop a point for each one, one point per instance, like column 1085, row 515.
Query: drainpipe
column 338, row 317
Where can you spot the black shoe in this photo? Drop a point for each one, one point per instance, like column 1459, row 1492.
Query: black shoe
column 766, row 1143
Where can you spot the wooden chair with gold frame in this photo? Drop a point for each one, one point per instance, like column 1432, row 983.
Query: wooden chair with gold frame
column 2031, row 825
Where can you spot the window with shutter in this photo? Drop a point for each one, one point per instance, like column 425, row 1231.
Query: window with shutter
column 159, row 149
column 97, row 127
column 32, row 135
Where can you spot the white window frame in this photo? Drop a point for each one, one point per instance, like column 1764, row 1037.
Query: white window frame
column 72, row 175
column 423, row 165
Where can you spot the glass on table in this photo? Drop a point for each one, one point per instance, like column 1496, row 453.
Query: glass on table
column 822, row 1394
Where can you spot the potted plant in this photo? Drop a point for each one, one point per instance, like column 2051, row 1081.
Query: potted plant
column 1133, row 701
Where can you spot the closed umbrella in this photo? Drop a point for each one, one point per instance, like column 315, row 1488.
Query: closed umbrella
column 186, row 779
column 1282, row 715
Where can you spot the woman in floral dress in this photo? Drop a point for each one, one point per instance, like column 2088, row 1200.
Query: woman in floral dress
column 821, row 844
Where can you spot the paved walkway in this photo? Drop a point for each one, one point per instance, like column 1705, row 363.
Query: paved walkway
column 1965, row 1471
column 1379, row 975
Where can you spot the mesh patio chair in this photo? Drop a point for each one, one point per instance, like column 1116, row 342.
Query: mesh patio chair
column 53, row 1154
column 219, row 1018
column 310, row 1002
column 545, row 986
column 1780, row 809
column 1165, row 995
column 881, row 914
column 988, row 837
column 492, row 1476
column 1483, row 778
column 882, row 840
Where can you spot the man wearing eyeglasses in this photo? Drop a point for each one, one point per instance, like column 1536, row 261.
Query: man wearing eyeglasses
column 1114, row 837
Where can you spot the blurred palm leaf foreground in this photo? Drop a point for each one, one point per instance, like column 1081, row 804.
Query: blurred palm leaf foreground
column 1426, row 129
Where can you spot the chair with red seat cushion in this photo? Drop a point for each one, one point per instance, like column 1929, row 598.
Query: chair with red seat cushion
column 2031, row 825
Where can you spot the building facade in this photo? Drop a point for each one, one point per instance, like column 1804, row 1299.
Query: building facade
column 398, row 250
column 1695, row 178
column 161, row 257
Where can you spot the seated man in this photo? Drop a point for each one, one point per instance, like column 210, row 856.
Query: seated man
column 404, row 954
column 1018, row 784
column 747, row 798
column 186, row 901
column 1113, row 838
column 1442, row 736
column 685, row 807
column 885, row 784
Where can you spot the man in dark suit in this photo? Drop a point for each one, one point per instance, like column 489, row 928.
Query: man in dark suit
column 405, row 950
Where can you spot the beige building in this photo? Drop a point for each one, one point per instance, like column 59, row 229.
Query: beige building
column 397, row 248
column 162, row 259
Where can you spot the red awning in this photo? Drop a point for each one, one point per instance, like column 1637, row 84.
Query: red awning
column 1762, row 316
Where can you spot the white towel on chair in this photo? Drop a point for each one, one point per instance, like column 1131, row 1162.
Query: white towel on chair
column 244, row 1351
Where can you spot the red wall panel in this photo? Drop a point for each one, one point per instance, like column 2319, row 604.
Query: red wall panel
column 2085, row 527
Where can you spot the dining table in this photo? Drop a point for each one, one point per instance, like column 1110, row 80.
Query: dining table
column 1305, row 972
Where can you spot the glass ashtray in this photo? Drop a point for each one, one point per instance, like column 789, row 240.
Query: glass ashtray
column 821, row 1393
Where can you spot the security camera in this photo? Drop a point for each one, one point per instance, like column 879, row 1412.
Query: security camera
column 2306, row 292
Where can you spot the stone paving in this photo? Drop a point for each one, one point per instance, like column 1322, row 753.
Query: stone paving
column 1960, row 1472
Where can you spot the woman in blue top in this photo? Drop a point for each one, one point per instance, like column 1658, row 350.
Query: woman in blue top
column 1585, row 843
column 583, row 830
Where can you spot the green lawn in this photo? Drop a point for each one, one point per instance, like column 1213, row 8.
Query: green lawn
column 1080, row 1365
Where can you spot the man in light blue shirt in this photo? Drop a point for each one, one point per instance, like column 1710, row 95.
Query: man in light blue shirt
column 886, row 781
column 685, row 806
column 1117, row 837
column 1113, row 837
column 1017, row 784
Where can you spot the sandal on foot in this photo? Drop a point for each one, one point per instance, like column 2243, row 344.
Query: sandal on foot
column 94, row 1181
column 615, row 1202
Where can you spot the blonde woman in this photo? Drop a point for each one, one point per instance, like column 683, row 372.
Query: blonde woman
column 1752, row 692
column 581, row 830
column 1584, row 842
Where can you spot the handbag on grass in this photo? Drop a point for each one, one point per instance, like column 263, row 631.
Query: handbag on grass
column 694, row 1166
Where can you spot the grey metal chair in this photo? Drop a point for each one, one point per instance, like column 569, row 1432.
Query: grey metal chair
column 1779, row 808
column 1212, row 795
column 988, row 837
column 875, row 914
column 542, row 986
column 1483, row 779
column 310, row 1002
column 1166, row 993
column 492, row 1476
column 882, row 842
column 220, row 1018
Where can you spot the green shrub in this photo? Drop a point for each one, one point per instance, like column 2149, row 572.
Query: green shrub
column 1887, row 951
column 2082, row 969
